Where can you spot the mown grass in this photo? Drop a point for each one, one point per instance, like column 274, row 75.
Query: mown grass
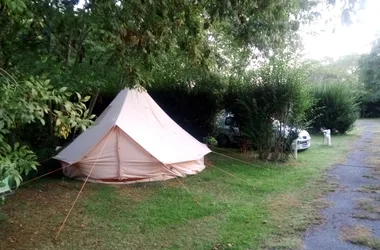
column 262, row 208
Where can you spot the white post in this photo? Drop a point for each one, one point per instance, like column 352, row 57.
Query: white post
column 326, row 136
column 294, row 147
column 329, row 140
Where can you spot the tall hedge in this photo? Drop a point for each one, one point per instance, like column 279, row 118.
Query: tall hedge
column 274, row 92
column 370, row 106
column 337, row 107
column 192, row 101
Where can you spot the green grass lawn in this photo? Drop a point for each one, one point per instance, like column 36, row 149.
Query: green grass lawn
column 260, row 208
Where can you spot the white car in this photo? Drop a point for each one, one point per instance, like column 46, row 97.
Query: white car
column 303, row 140
column 228, row 132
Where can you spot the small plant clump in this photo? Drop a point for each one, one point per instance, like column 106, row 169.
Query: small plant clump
column 360, row 235
column 369, row 189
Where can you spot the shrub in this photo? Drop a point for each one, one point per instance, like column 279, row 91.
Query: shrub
column 25, row 102
column 192, row 101
column 371, row 105
column 338, row 105
column 276, row 92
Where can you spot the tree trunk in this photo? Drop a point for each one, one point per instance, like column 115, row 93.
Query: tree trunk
column 93, row 102
column 50, row 119
column 12, row 138
column 80, row 50
column 68, row 51
column 243, row 145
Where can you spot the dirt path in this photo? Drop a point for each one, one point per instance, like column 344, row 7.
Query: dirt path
column 357, row 196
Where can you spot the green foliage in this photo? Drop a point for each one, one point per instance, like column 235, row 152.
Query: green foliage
column 16, row 161
column 337, row 90
column 339, row 105
column 211, row 141
column 343, row 70
column 369, row 66
column 371, row 104
column 15, row 6
column 192, row 98
column 25, row 102
column 276, row 92
column 112, row 44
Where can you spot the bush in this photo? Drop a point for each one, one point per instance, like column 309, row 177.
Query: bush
column 338, row 105
column 371, row 105
column 26, row 102
column 276, row 92
column 192, row 101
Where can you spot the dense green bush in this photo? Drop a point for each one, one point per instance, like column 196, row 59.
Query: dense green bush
column 276, row 92
column 370, row 79
column 370, row 105
column 25, row 102
column 191, row 100
column 338, row 107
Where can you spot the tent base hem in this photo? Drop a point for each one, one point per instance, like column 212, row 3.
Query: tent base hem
column 130, row 180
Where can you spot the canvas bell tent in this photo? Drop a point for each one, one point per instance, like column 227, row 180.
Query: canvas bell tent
column 133, row 140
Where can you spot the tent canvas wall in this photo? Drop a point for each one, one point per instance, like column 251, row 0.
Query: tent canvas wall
column 133, row 140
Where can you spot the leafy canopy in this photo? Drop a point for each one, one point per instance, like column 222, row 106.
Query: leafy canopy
column 25, row 102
